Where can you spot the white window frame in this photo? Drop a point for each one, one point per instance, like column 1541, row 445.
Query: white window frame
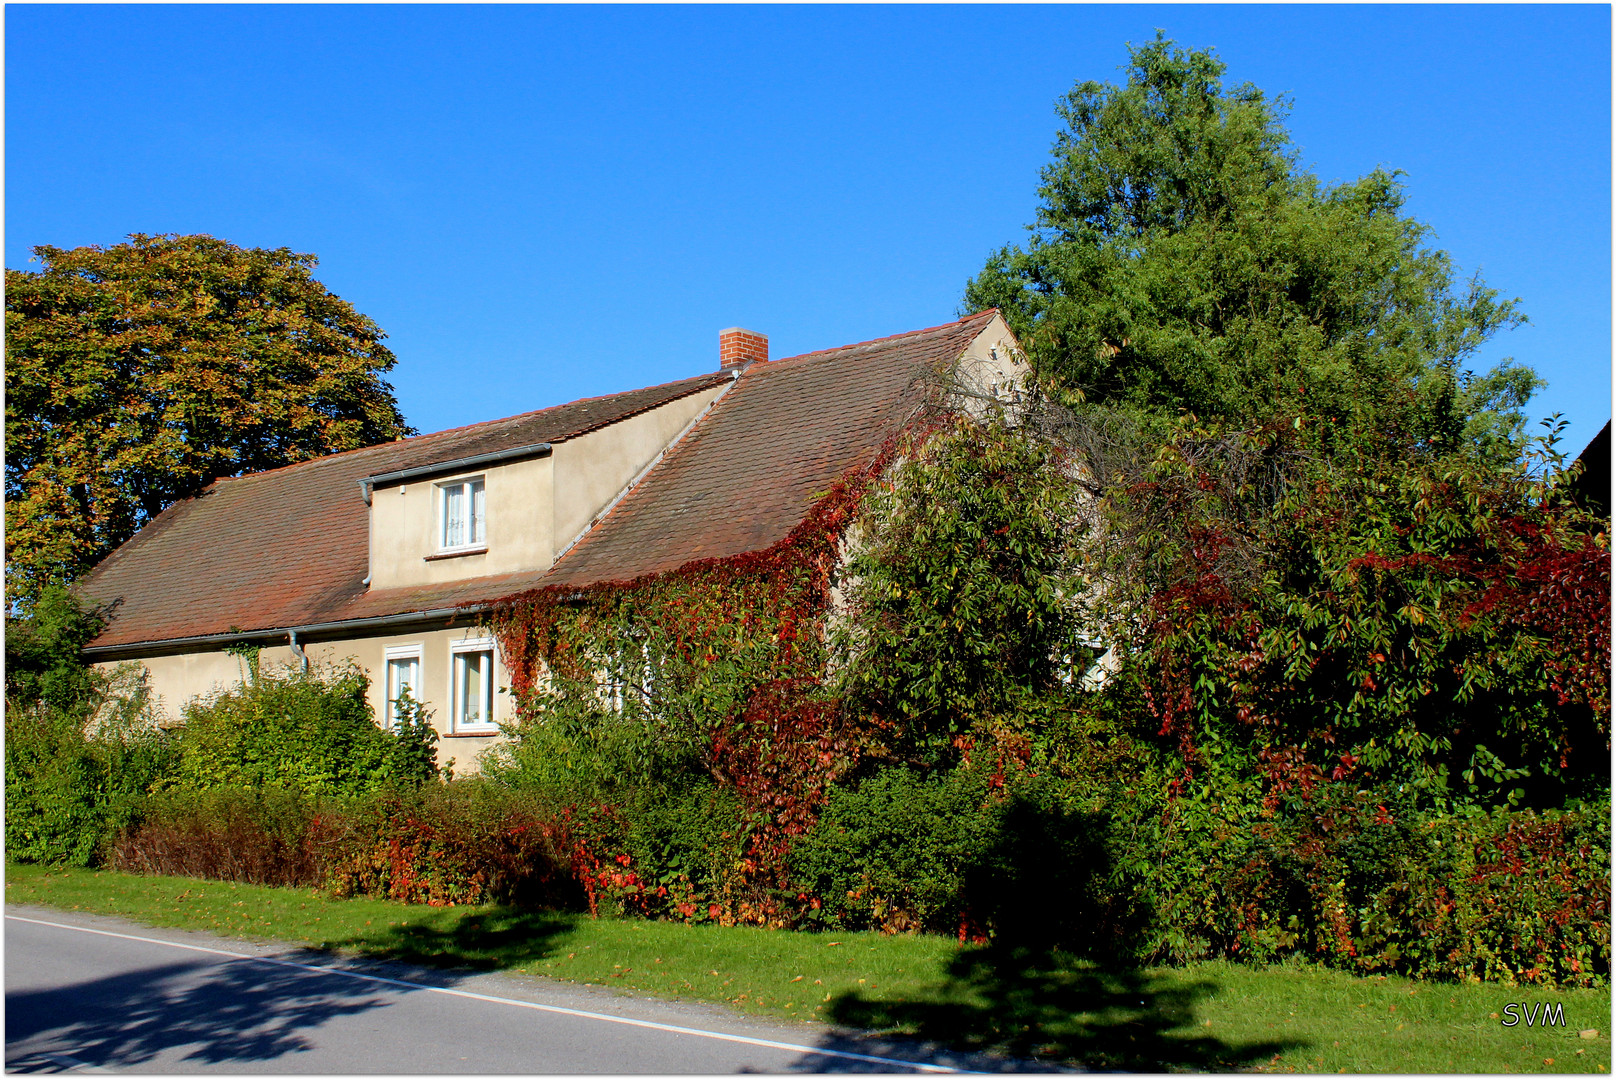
column 464, row 485
column 390, row 654
column 457, row 674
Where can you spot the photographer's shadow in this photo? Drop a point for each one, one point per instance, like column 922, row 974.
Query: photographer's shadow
column 1051, row 986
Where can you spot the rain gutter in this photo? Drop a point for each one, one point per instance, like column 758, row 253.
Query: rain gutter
column 440, row 468
column 288, row 634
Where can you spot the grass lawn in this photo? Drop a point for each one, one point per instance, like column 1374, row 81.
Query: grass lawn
column 1212, row 1015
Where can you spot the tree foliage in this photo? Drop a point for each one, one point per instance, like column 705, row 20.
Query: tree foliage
column 1305, row 620
column 43, row 658
column 1181, row 259
column 137, row 374
column 955, row 605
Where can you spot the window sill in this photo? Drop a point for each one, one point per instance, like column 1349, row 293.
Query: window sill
column 488, row 734
column 457, row 553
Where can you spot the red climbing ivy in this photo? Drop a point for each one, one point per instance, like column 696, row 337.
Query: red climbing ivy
column 1363, row 619
column 717, row 667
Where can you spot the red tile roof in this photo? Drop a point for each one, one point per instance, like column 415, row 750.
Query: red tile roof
column 289, row 547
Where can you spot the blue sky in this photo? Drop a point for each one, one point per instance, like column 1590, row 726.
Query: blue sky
column 539, row 204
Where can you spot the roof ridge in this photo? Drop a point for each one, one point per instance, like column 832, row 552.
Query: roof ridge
column 891, row 337
column 562, row 405
column 417, row 440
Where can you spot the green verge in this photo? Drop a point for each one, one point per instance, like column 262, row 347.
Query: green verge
column 1292, row 1018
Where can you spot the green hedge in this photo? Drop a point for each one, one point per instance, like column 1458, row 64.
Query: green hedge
column 72, row 781
column 1356, row 880
column 312, row 732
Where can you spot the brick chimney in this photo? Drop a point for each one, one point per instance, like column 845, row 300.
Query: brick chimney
column 737, row 347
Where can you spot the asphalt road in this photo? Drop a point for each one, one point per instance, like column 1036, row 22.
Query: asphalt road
column 89, row 993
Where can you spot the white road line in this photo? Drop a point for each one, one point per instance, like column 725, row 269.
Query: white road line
column 607, row 1017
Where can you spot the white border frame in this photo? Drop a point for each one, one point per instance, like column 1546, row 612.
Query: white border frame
column 389, row 654
column 440, row 493
column 470, row 645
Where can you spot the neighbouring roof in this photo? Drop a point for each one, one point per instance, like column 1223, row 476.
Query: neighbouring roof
column 288, row 548
column 1592, row 487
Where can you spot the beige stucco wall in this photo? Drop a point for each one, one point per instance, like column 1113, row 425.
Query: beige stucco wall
column 992, row 364
column 532, row 509
column 592, row 470
column 517, row 516
column 178, row 680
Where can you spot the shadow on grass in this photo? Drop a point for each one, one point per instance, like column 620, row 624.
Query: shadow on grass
column 472, row 940
column 1046, row 1005
column 1053, row 986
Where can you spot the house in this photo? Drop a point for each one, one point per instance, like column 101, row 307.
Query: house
column 387, row 554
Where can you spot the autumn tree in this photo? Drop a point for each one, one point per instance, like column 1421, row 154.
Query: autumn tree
column 1182, row 259
column 137, row 374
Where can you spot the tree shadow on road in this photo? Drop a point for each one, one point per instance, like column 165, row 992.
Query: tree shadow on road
column 254, row 1011
column 1046, row 1005
column 210, row 1013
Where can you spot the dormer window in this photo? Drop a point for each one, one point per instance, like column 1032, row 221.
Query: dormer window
column 460, row 513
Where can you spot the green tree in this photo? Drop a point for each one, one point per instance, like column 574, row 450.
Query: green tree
column 1182, row 260
column 43, row 658
column 139, row 373
column 955, row 605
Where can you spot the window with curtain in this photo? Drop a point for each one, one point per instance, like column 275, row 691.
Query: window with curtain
column 474, row 686
column 403, row 673
column 461, row 511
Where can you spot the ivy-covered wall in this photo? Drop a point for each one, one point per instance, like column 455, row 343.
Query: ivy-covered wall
column 1338, row 689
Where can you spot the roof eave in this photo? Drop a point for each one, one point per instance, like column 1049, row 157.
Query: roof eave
column 308, row 631
column 452, row 465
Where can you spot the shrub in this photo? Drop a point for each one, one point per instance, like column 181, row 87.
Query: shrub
column 685, row 847
column 74, row 776
column 1517, row 898
column 264, row 836
column 311, row 732
column 1363, row 880
column 893, row 852
column 957, row 853
column 468, row 841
